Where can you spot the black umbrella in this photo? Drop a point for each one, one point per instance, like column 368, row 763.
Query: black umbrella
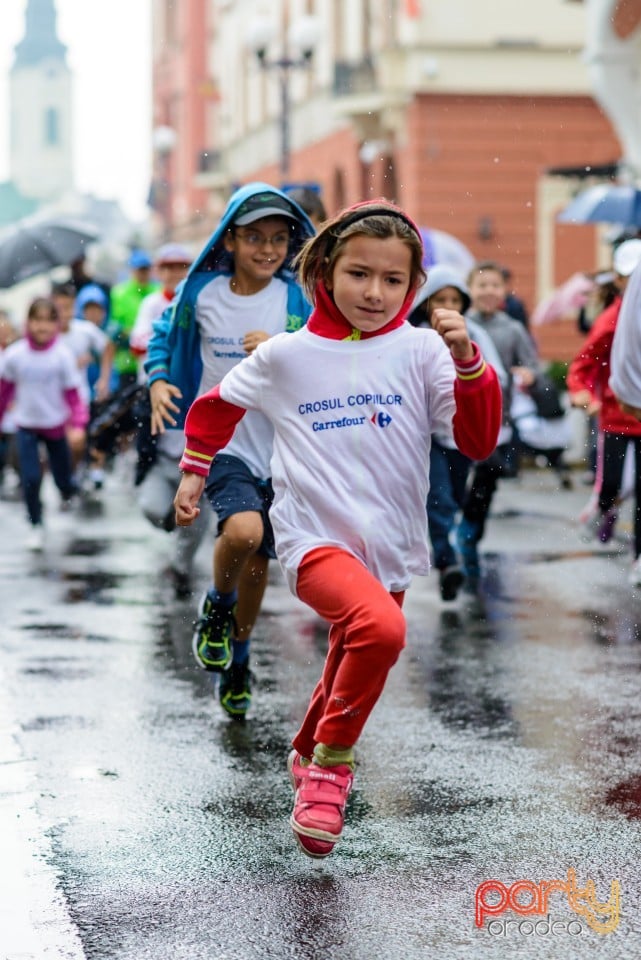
column 37, row 245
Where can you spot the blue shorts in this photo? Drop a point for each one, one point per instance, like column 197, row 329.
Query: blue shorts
column 232, row 488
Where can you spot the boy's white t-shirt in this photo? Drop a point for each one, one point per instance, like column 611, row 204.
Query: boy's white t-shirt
column 352, row 438
column 82, row 338
column 224, row 318
column 41, row 378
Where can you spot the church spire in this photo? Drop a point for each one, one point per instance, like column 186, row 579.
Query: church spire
column 40, row 41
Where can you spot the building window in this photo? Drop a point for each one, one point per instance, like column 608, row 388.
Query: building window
column 52, row 127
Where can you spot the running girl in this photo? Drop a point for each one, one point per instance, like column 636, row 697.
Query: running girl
column 40, row 373
column 349, row 506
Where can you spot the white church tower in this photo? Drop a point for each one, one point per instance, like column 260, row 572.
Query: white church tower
column 40, row 99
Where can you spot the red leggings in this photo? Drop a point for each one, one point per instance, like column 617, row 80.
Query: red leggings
column 366, row 636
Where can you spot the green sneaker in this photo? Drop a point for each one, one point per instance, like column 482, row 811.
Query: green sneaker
column 234, row 691
column 212, row 639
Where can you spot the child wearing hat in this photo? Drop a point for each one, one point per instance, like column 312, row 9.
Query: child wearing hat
column 40, row 376
column 126, row 298
column 171, row 263
column 449, row 468
column 239, row 292
column 589, row 387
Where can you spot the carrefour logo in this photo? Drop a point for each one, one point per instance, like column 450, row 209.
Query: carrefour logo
column 381, row 419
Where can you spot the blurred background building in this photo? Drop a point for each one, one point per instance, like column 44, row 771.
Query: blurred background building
column 480, row 119
column 41, row 134
column 477, row 118
column 41, row 137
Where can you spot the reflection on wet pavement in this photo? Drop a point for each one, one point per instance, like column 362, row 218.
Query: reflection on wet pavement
column 505, row 746
column 626, row 797
column 87, row 547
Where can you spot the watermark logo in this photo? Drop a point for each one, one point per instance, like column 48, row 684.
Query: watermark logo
column 527, row 898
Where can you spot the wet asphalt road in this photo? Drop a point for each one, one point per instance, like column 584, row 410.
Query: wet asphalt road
column 137, row 822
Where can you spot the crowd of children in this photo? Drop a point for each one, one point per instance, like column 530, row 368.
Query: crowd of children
column 275, row 378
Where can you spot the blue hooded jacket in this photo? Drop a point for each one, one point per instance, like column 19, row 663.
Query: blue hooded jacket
column 174, row 349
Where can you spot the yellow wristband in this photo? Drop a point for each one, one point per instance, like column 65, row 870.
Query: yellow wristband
column 472, row 376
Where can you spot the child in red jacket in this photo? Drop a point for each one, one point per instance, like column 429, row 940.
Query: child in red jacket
column 588, row 386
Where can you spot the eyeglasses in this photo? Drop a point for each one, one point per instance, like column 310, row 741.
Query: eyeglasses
column 254, row 239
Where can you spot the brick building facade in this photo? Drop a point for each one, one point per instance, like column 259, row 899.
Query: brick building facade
column 461, row 125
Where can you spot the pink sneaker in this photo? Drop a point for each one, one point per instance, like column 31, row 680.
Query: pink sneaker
column 310, row 846
column 321, row 797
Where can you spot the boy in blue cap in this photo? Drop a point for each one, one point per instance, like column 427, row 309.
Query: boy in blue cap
column 239, row 291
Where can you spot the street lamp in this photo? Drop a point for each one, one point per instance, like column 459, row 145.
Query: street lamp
column 164, row 141
column 302, row 37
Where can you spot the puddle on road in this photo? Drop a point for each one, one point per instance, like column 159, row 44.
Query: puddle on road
column 62, row 722
column 90, row 587
column 51, row 672
column 626, row 797
column 620, row 627
column 87, row 547
column 63, row 631
column 559, row 678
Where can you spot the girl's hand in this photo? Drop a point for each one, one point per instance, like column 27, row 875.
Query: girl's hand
column 188, row 495
column 451, row 326
column 253, row 338
column 162, row 396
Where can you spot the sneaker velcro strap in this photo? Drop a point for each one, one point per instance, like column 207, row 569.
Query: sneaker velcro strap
column 321, row 796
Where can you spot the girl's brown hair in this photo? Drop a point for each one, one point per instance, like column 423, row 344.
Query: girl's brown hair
column 379, row 219
column 42, row 303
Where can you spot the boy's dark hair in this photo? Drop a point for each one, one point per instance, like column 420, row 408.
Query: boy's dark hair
column 64, row 289
column 485, row 266
column 310, row 202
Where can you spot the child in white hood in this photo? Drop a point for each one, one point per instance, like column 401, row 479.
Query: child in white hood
column 449, row 468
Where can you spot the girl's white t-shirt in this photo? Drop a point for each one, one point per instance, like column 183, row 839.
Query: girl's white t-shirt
column 352, row 427
column 41, row 378
column 224, row 318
